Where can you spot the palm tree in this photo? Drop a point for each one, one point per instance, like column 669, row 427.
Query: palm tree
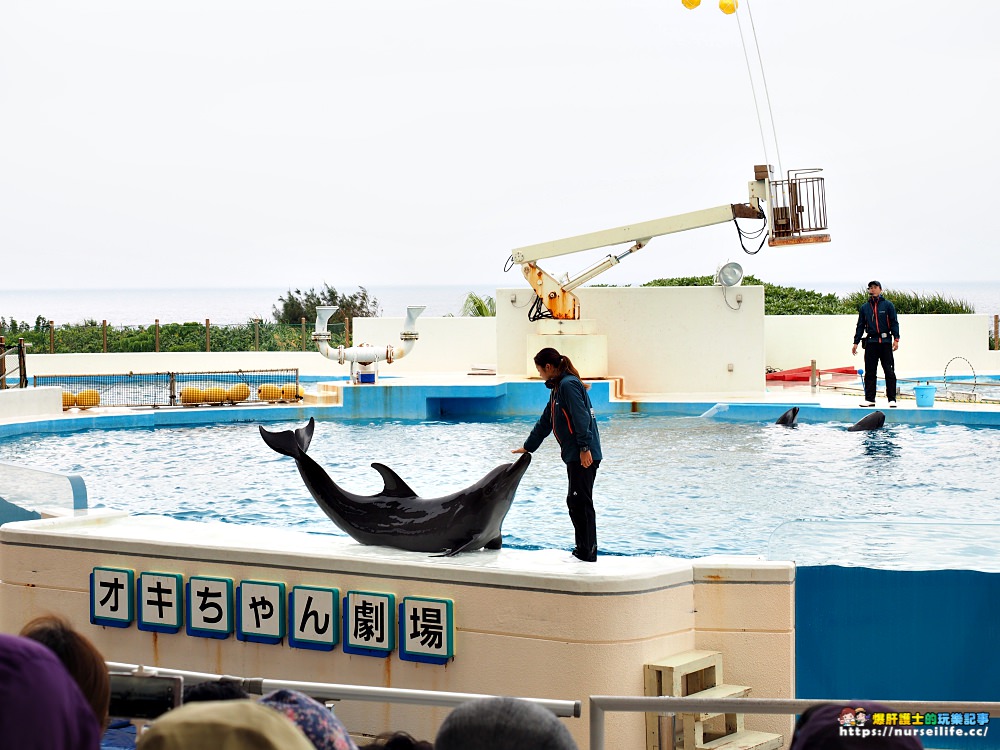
column 479, row 307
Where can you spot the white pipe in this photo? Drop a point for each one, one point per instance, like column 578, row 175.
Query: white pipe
column 366, row 354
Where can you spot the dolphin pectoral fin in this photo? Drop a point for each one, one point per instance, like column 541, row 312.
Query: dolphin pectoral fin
column 494, row 543
column 466, row 547
column 290, row 442
column 394, row 486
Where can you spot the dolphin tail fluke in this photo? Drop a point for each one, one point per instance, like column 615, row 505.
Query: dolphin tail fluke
column 292, row 443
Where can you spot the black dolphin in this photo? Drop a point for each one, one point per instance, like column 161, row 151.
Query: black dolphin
column 873, row 421
column 395, row 517
column 789, row 417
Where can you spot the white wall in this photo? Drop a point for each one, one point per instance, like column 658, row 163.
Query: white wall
column 926, row 343
column 16, row 403
column 445, row 344
column 659, row 339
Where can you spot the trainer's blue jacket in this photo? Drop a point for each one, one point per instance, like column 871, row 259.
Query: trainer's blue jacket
column 877, row 316
column 570, row 416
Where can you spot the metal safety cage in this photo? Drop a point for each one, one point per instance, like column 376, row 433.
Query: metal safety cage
column 798, row 207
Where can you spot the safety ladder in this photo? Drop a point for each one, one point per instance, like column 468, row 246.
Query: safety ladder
column 699, row 674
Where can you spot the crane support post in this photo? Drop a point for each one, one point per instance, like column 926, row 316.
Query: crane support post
column 631, row 233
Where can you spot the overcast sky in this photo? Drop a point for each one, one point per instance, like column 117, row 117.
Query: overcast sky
column 420, row 141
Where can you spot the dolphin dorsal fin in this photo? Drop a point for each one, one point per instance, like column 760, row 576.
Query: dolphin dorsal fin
column 394, row 486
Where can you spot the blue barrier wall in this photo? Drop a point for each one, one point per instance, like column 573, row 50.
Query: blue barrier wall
column 899, row 635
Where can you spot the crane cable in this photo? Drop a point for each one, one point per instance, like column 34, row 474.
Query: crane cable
column 753, row 89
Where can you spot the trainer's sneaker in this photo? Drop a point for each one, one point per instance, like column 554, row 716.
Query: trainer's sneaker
column 892, row 404
column 868, row 404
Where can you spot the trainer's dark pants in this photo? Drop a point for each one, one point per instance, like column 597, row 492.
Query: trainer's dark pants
column 874, row 354
column 580, row 501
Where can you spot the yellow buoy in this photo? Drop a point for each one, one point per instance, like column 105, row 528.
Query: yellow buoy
column 269, row 392
column 728, row 6
column 215, row 394
column 238, row 392
column 690, row 4
column 69, row 400
column 88, row 398
column 291, row 391
column 191, row 395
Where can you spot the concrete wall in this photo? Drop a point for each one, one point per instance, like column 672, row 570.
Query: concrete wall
column 660, row 340
column 927, row 343
column 528, row 623
column 30, row 402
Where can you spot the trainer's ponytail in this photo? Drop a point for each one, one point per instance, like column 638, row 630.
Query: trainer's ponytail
column 561, row 363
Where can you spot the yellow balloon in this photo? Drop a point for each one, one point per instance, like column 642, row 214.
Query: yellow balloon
column 690, row 4
column 728, row 6
column 68, row 399
column 269, row 392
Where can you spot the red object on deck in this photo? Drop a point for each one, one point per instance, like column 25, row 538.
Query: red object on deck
column 802, row 373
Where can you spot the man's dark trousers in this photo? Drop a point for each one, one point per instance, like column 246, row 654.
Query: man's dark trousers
column 875, row 353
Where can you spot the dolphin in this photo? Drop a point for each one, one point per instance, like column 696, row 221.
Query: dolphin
column 395, row 517
column 872, row 421
column 789, row 417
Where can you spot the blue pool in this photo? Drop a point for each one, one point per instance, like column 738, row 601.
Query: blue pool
column 682, row 486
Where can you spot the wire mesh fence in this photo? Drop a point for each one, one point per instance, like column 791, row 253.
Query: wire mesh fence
column 93, row 338
column 189, row 389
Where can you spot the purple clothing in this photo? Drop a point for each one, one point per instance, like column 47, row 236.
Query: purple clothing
column 820, row 729
column 41, row 707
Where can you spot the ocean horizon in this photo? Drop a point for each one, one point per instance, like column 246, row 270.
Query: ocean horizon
column 238, row 305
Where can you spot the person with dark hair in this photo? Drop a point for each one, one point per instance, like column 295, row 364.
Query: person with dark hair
column 224, row 689
column 81, row 658
column 397, row 741
column 41, row 706
column 877, row 318
column 502, row 723
column 570, row 417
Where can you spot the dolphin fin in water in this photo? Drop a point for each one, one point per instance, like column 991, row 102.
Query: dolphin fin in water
column 789, row 417
column 873, row 421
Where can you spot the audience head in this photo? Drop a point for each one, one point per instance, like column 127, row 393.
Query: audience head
column 819, row 728
column 41, row 706
column 316, row 721
column 502, row 723
column 80, row 657
column 223, row 725
column 397, row 741
column 215, row 690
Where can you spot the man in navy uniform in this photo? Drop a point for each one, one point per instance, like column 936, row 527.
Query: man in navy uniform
column 877, row 319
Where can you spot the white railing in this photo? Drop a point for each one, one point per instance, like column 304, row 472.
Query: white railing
column 335, row 692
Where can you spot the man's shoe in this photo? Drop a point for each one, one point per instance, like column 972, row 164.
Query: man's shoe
column 892, row 404
column 582, row 557
column 868, row 404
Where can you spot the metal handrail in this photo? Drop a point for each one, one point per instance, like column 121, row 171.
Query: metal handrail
column 669, row 706
column 333, row 691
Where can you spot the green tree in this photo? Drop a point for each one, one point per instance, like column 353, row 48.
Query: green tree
column 297, row 305
column 479, row 307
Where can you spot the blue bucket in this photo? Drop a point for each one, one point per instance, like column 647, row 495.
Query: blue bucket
column 924, row 394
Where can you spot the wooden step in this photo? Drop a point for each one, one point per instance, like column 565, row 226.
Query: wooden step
column 719, row 691
column 745, row 740
column 667, row 676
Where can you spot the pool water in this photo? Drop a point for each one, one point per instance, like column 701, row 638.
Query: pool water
column 685, row 487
